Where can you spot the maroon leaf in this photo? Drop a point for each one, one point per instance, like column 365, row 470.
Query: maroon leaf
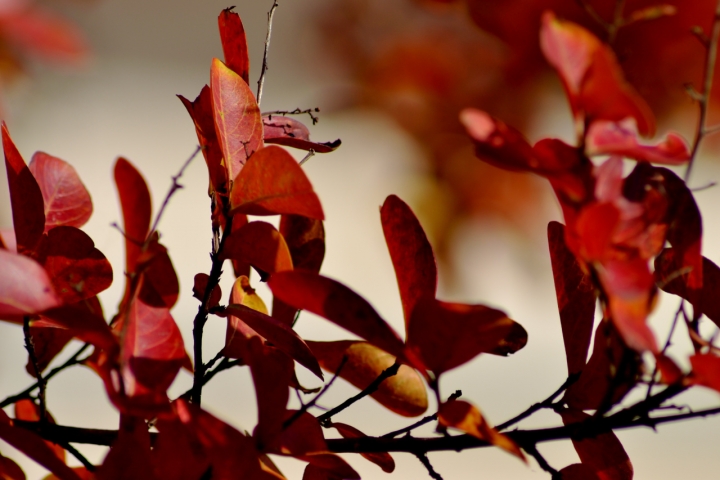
column 302, row 437
column 273, row 183
column 84, row 321
column 260, row 245
column 382, row 459
column 25, row 287
column 578, row 471
column 337, row 303
column 576, row 299
column 9, row 470
column 200, row 285
column 25, row 196
column 67, row 201
column 292, row 133
column 327, row 466
column 129, row 456
column 160, row 286
column 136, row 209
column 47, row 343
column 234, row 43
column 411, row 254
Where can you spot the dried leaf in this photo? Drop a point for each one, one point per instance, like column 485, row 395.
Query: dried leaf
column 292, row 133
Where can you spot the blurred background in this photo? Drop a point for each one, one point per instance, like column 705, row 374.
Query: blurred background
column 389, row 79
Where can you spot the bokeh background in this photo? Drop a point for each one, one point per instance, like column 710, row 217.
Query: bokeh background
column 389, row 78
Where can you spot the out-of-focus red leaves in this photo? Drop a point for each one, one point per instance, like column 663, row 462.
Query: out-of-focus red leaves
column 578, row 471
column 237, row 117
column 25, row 197
column 336, row 302
column 260, row 245
column 706, row 370
column 611, row 366
column 576, row 299
column 273, row 183
column 234, row 43
column 136, row 210
column 34, row 447
column 9, row 470
column 81, row 472
column 604, row 454
column 592, row 77
column 411, row 254
column 382, row 459
column 445, row 335
column 670, row 373
column 278, row 334
column 301, row 437
column 327, row 466
column 201, row 112
column 25, row 287
column 200, row 284
column 466, row 417
column 84, row 320
column 67, row 201
column 130, row 454
column 160, row 286
column 404, row 393
column 613, row 138
column 26, row 410
column 292, row 133
column 77, row 269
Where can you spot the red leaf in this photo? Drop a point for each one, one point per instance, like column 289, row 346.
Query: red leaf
column 337, row 303
column 610, row 138
column 136, row 208
column 77, row 269
column 25, row 196
column 292, row 133
column 273, row 183
column 466, row 417
column 67, row 201
column 303, row 436
column 595, row 228
column 327, row 466
column 25, row 409
column 445, row 335
column 404, row 393
column 238, row 332
column 25, row 287
column 234, row 43
column 604, row 454
column 578, row 471
column 47, row 343
column 706, row 370
column 260, row 245
column 34, row 447
column 200, row 285
column 382, row 459
column 576, row 299
column 9, row 470
column 159, row 287
column 129, row 456
column 84, row 320
column 279, row 334
column 237, row 117
column 411, row 254
column 81, row 472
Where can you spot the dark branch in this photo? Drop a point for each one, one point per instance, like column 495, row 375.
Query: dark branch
column 547, row 403
column 297, row 111
column 312, row 402
column 430, row 418
column 261, row 80
column 422, row 456
column 41, row 382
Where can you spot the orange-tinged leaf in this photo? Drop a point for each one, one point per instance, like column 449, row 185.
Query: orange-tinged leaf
column 200, row 283
column 466, row 417
column 67, row 201
column 604, row 454
column 273, row 183
column 238, row 332
column 26, row 197
column 260, row 245
column 336, row 302
column 576, row 299
column 136, row 210
column 292, row 133
column 611, row 138
column 237, row 117
column 404, row 393
column 25, row 287
column 382, row 459
column 445, row 335
column 595, row 227
column 411, row 254
column 670, row 373
column 706, row 370
column 234, row 43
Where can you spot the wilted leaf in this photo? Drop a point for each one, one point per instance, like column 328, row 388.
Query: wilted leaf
column 260, row 245
column 25, row 197
column 234, row 43
column 382, row 459
column 337, row 303
column 273, row 183
column 237, row 117
column 67, row 201
column 576, row 299
column 445, row 335
column 611, row 138
column 136, row 210
column 466, row 417
column 25, row 287
column 411, row 254
column 292, row 133
column 403, row 393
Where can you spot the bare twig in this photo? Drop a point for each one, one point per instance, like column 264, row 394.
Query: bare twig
column 41, row 382
column 261, row 80
column 297, row 111
column 80, row 457
column 225, row 364
column 311, row 153
column 430, row 418
column 532, row 450
column 315, row 399
column 680, row 310
column 422, row 456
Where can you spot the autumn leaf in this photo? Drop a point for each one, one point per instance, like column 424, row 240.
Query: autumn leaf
column 84, row 320
column 26, row 410
column 273, row 183
column 706, row 370
column 238, row 332
column 25, row 287
column 382, row 459
column 613, row 138
column 328, row 466
column 301, row 437
column 160, row 286
column 9, row 470
column 200, row 284
column 292, row 133
column 260, row 245
column 130, row 454
column 234, row 43
column 67, row 202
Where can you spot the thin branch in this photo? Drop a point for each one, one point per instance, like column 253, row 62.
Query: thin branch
column 425, row 420
column 547, row 403
column 532, row 450
column 681, row 309
column 422, row 456
column 73, row 360
column 79, row 456
column 225, row 364
column 261, row 80
column 305, row 407
column 41, row 382
column 704, row 101
column 310, row 154
column 387, row 373
column 297, row 111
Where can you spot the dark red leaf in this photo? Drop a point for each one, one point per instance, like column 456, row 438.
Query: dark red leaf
column 411, row 254
column 260, row 245
column 160, row 286
column 26, row 410
column 327, row 466
column 25, row 287
column 382, row 459
column 26, row 198
column 292, row 133
column 578, row 471
column 200, row 284
column 84, row 320
column 445, row 335
column 129, row 456
column 238, row 332
column 706, row 370
column 273, row 183
column 47, row 343
column 303, row 436
column 576, row 299
column 67, row 201
column 9, row 470
column 237, row 117
column 234, row 43
column 404, row 393
column 136, row 209
column 337, row 303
